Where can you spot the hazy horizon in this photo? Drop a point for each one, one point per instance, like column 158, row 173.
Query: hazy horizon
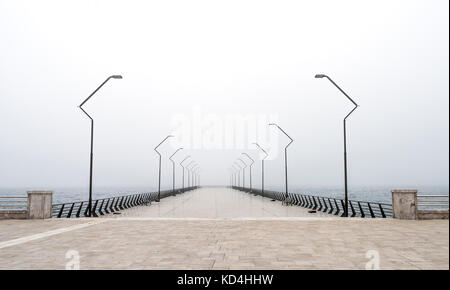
column 214, row 74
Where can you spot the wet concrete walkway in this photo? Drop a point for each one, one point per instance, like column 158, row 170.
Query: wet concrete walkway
column 215, row 202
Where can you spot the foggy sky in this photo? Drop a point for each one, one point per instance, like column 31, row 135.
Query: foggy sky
column 221, row 58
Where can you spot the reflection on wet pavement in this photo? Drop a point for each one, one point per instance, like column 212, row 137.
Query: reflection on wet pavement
column 212, row 202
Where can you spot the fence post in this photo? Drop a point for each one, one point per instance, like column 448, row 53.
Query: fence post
column 39, row 204
column 404, row 204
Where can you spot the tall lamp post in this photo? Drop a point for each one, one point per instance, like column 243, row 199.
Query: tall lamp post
column 181, row 164
column 173, row 168
column 262, row 167
column 91, row 162
column 193, row 173
column 196, row 176
column 239, row 173
column 319, row 76
column 251, row 164
column 234, row 174
column 285, row 158
column 243, row 172
column 231, row 176
column 194, row 167
column 159, row 178
column 189, row 172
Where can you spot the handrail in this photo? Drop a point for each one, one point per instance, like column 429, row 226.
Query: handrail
column 329, row 205
column 429, row 201
column 13, row 202
column 109, row 205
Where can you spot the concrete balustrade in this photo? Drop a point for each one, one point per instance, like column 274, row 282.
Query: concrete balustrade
column 405, row 206
column 39, row 204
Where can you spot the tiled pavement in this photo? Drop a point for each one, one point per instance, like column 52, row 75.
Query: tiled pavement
column 223, row 242
column 217, row 203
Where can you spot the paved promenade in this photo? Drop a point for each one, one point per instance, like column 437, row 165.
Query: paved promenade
column 232, row 234
column 217, row 203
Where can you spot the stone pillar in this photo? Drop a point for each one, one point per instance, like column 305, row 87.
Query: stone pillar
column 404, row 204
column 39, row 204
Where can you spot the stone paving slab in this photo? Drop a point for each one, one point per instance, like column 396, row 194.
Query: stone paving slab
column 11, row 229
column 297, row 243
column 220, row 228
column 213, row 202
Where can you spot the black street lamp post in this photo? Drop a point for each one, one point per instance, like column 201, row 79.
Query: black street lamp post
column 91, row 162
column 189, row 173
column 193, row 174
column 173, row 169
column 159, row 174
column 194, row 167
column 235, row 184
column 262, row 167
column 181, row 164
column 251, row 164
column 196, row 176
column 285, row 160
column 231, row 177
column 243, row 172
column 319, row 76
column 239, row 173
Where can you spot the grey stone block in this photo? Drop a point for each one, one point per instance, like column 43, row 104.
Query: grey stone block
column 404, row 204
column 39, row 204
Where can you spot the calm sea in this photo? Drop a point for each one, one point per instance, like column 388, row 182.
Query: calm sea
column 363, row 193
column 367, row 193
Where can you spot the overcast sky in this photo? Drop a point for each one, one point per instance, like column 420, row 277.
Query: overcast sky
column 196, row 68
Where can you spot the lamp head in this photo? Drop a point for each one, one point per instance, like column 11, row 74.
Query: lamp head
column 319, row 76
column 116, row 76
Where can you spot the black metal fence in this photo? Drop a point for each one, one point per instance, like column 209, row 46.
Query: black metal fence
column 330, row 205
column 109, row 205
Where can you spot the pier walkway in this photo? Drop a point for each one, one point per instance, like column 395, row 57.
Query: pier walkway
column 220, row 228
column 217, row 202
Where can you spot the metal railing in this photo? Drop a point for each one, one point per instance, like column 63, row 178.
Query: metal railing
column 432, row 201
column 330, row 205
column 13, row 202
column 109, row 205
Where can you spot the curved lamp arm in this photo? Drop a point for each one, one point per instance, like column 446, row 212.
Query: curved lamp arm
column 245, row 164
column 181, row 163
column 284, row 132
column 265, row 152
column 170, row 158
column 93, row 93
column 189, row 164
column 253, row 161
column 96, row 90
column 156, row 148
column 319, row 76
